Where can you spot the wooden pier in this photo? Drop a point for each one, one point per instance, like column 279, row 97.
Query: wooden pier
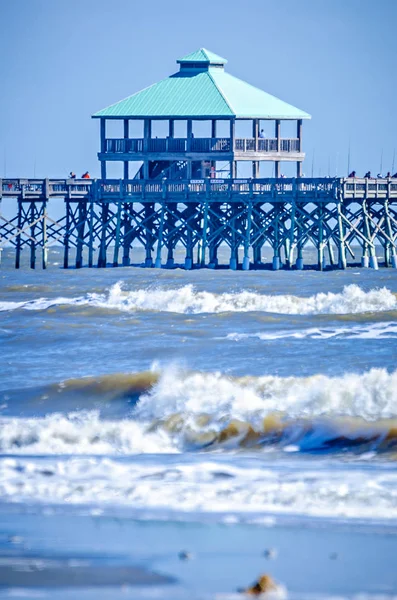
column 103, row 221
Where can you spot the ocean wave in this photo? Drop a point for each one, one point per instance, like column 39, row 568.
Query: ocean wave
column 81, row 432
column 371, row 331
column 209, row 485
column 188, row 300
column 177, row 410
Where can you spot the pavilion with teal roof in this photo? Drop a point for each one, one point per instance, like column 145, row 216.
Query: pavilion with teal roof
column 200, row 91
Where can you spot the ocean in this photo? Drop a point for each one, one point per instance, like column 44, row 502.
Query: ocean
column 175, row 434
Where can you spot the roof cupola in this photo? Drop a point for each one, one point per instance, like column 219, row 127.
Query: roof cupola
column 202, row 60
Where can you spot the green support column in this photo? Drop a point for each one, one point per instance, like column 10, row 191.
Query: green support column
column 189, row 236
column 149, row 212
column 18, row 237
column 126, row 137
column 341, row 239
column 66, row 238
column 276, row 244
column 320, row 247
column 102, row 247
column 103, row 147
column 160, row 237
column 116, row 248
column 246, row 259
column 82, row 218
column 127, row 234
column 204, row 234
column 32, row 234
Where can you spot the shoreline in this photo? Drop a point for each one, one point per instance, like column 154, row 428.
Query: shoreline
column 323, row 560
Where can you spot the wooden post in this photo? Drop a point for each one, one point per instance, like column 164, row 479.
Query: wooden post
column 66, row 238
column 171, row 128
column 126, row 136
column 213, row 128
column 189, row 237
column 232, row 134
column 127, row 234
column 276, row 244
column 160, row 237
column 341, row 239
column 299, row 136
column 82, row 218
column 255, row 132
column 204, row 233
column 44, row 225
column 103, row 135
column 147, row 134
column 102, row 247
column 103, row 147
column 233, row 163
column 117, row 237
column 91, row 234
column 18, row 237
column 32, row 234
column 189, row 135
column 149, row 213
column 246, row 259
column 320, row 247
column 277, row 135
column 44, row 230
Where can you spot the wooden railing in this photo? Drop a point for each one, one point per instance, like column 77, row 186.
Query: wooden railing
column 344, row 189
column 205, row 145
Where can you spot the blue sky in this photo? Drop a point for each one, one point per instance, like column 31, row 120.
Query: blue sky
column 62, row 60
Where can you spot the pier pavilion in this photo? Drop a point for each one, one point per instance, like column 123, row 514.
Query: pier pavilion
column 178, row 195
column 201, row 91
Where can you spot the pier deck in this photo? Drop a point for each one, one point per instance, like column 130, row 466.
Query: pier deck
column 103, row 219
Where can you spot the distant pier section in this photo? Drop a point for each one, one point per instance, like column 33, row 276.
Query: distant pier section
column 180, row 145
column 105, row 220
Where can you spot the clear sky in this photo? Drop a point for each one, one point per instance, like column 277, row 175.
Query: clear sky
column 62, row 60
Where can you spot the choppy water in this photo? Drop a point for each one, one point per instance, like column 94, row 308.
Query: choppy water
column 235, row 396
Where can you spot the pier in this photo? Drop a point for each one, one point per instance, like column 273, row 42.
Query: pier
column 179, row 154
column 105, row 220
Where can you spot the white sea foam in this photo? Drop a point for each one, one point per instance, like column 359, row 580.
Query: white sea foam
column 79, row 433
column 365, row 331
column 188, row 300
column 210, row 485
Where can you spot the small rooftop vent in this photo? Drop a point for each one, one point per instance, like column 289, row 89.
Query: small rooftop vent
column 202, row 59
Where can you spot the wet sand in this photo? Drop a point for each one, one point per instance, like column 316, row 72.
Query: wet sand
column 52, row 555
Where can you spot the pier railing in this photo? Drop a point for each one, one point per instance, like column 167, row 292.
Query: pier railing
column 205, row 145
column 276, row 189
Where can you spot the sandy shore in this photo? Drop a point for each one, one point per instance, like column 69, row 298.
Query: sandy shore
column 51, row 555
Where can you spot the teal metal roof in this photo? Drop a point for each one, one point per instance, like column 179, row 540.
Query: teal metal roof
column 203, row 55
column 202, row 92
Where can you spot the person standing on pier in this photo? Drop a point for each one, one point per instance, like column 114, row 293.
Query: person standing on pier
column 86, row 175
column 261, row 133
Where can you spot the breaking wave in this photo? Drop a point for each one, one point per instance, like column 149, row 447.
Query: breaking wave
column 371, row 331
column 188, row 300
column 176, row 410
